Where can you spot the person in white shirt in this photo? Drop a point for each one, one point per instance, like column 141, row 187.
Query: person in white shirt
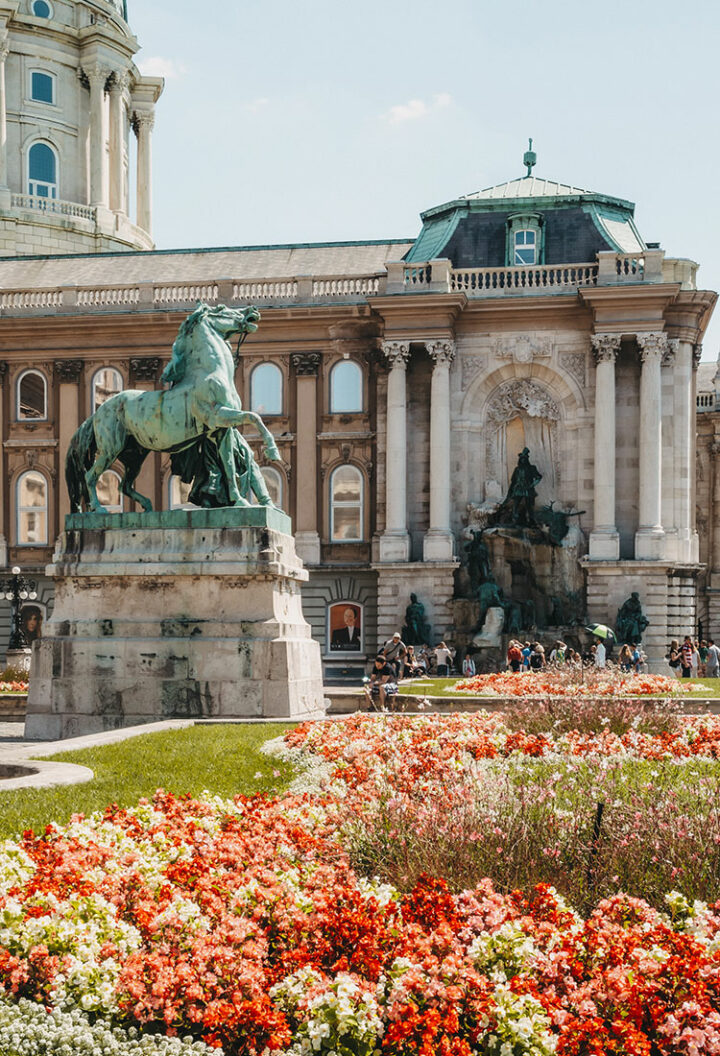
column 600, row 654
column 468, row 666
column 712, row 665
column 443, row 657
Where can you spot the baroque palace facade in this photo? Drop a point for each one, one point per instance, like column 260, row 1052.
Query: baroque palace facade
column 401, row 379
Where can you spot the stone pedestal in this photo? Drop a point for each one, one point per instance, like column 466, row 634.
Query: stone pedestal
column 180, row 614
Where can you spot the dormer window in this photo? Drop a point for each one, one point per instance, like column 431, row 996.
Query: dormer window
column 524, row 240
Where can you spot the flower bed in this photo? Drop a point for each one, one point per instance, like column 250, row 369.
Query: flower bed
column 13, row 687
column 572, row 682
column 248, row 925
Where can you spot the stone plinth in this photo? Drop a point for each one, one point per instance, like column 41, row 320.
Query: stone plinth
column 181, row 614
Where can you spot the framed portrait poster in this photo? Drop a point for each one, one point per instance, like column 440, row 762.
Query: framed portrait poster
column 31, row 621
column 345, row 628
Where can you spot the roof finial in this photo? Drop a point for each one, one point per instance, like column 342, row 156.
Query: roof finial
column 529, row 158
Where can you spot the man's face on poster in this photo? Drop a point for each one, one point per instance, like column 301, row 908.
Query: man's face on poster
column 349, row 618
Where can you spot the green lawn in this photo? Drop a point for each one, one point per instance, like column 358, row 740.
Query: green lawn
column 222, row 758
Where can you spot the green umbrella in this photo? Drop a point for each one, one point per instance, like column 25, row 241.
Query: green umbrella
column 600, row 630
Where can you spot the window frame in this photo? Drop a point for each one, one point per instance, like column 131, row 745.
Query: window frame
column 526, row 223
column 273, row 471
column 54, row 187
column 268, row 414
column 51, row 10
column 53, row 88
column 23, row 374
column 93, row 405
column 19, row 509
column 179, row 506
column 526, row 246
column 361, row 387
column 333, row 504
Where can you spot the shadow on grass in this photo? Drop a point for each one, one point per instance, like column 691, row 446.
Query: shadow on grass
column 225, row 760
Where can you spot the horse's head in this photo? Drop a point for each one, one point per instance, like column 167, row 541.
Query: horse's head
column 227, row 321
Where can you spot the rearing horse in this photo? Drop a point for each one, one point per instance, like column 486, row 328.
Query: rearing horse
column 203, row 399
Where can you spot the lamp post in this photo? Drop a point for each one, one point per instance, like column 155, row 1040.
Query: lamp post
column 17, row 589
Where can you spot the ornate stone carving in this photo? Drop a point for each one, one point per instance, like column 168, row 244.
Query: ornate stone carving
column 4, row 49
column 605, row 347
column 524, row 348
column 144, row 368
column 697, row 354
column 573, row 363
column 397, row 353
column 442, row 352
column 306, row 364
column 143, row 119
column 652, row 343
column 68, row 369
column 471, row 366
column 669, row 355
column 521, row 396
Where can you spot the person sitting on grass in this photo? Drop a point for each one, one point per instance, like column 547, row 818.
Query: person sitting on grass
column 381, row 684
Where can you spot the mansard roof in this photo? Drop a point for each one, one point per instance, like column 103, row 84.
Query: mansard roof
column 470, row 230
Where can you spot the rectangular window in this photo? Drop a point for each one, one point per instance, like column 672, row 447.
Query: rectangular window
column 41, row 88
column 524, row 248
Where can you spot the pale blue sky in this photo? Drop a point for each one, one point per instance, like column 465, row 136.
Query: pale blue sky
column 327, row 120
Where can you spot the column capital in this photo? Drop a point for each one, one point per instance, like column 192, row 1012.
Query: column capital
column 442, row 352
column 652, row 343
column 4, row 48
column 68, row 369
column 144, row 368
column 671, row 351
column 97, row 74
column 397, row 353
column 143, row 120
column 119, row 81
column 697, row 354
column 605, row 347
column 306, row 364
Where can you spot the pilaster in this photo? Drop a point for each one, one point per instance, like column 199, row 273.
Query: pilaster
column 307, row 537
column 649, row 538
column 604, row 544
column 439, row 542
column 68, row 373
column 395, row 540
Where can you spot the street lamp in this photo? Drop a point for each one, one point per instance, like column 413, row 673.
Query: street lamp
column 15, row 590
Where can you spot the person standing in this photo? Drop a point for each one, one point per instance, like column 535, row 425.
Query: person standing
column 514, row 656
column 702, row 657
column 712, row 666
column 395, row 651
column 443, row 657
column 686, row 653
column 600, row 654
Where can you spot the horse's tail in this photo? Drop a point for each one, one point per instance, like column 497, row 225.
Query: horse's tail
column 80, row 456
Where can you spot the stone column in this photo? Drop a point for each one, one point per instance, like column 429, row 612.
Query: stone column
column 684, row 445
column 117, row 126
column 439, row 542
column 4, row 49
column 68, row 373
column 694, row 539
column 714, row 518
column 395, row 541
column 143, row 125
column 97, row 76
column 307, row 538
column 604, row 537
column 650, row 535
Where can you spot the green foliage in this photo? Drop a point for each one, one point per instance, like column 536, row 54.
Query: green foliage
column 225, row 759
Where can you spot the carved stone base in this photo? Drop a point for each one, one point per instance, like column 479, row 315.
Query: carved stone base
column 176, row 615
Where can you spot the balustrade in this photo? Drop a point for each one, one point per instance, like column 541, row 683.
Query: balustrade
column 18, row 299
column 185, row 293
column 479, row 281
column 52, row 205
column 108, row 296
column 266, row 290
column 706, row 401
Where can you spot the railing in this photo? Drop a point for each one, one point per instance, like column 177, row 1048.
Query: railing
column 513, row 280
column 629, row 266
column 185, row 293
column 13, row 300
column 338, row 288
column 108, row 296
column 706, row 401
column 52, row 205
column 266, row 290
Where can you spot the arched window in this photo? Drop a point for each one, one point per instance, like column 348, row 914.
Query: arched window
column 31, row 504
column 178, row 495
column 106, row 382
column 274, row 483
column 346, row 387
column 42, row 9
column 108, row 489
column 42, row 87
column 346, row 504
column 42, row 171
column 31, row 396
column 266, row 389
